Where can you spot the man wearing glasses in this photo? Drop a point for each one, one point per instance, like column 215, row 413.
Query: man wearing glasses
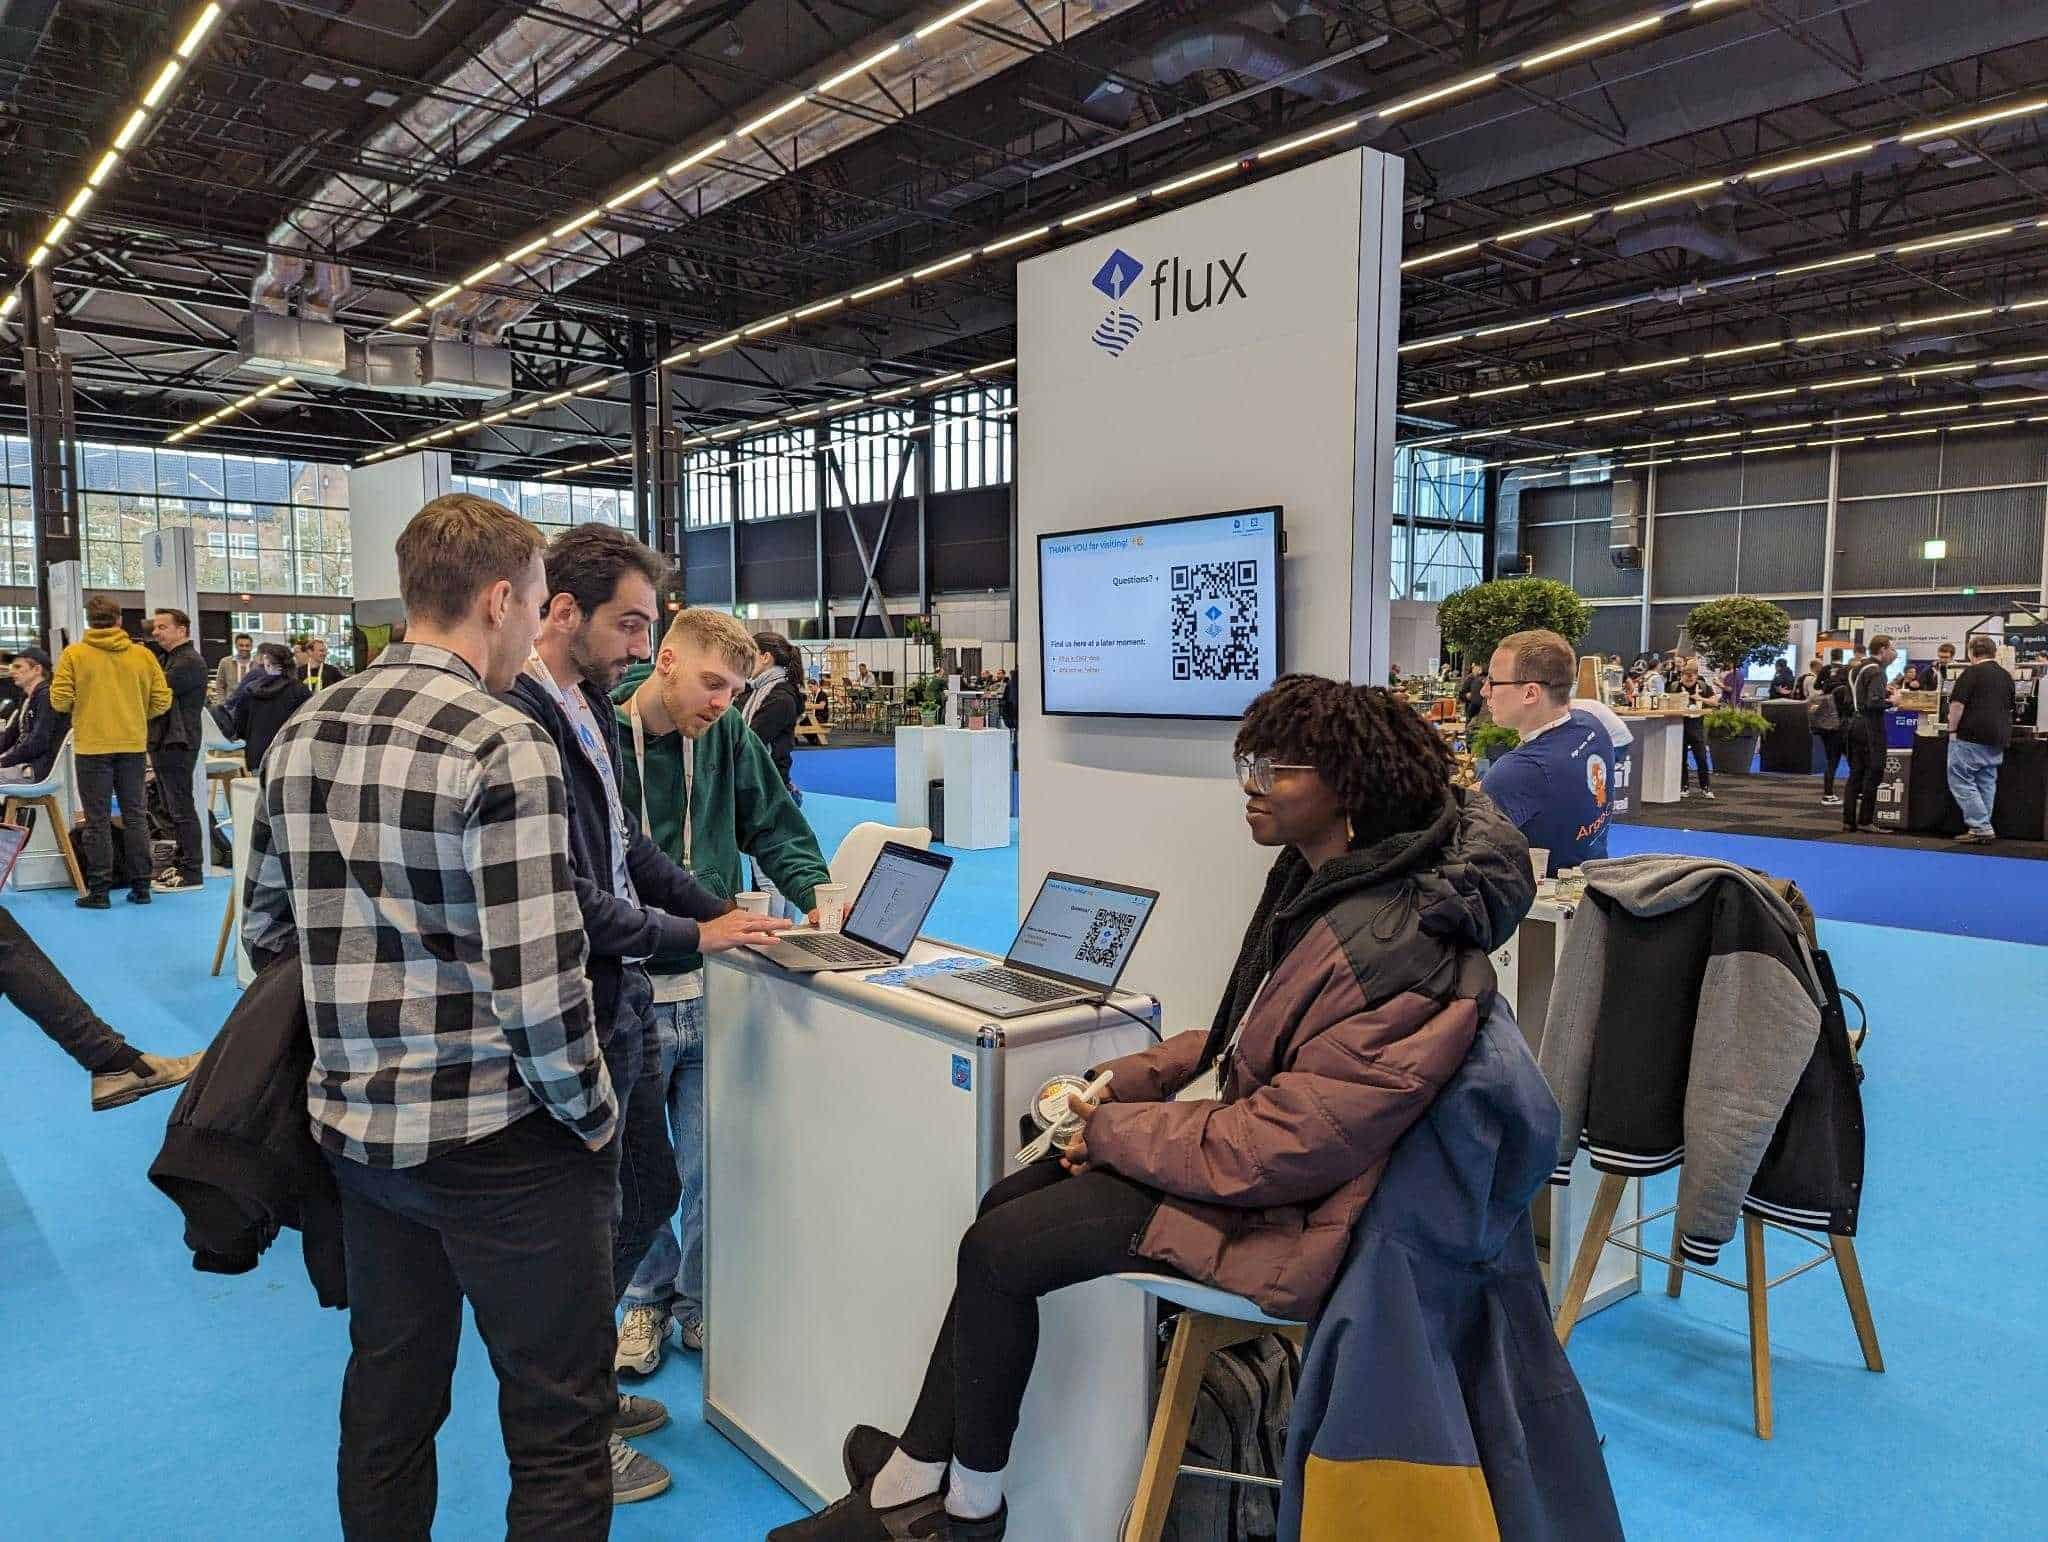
column 1557, row 784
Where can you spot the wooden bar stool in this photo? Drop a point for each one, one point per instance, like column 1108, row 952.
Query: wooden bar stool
column 1756, row 1283
column 1210, row 1320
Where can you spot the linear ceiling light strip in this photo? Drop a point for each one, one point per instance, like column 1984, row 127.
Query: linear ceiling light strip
column 1776, row 166
column 1817, row 387
column 795, row 420
column 161, row 79
column 1747, row 448
column 1747, row 350
column 1535, row 61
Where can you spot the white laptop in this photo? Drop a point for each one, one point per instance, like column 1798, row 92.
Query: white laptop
column 1073, row 945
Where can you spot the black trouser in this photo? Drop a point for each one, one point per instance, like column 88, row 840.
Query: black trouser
column 1695, row 751
column 45, row 997
column 100, row 778
column 519, row 1223
column 1866, row 770
column 1832, row 742
column 174, row 776
column 1039, row 1230
column 648, row 1187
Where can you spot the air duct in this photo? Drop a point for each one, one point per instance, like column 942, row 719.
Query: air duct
column 1233, row 46
column 1708, row 233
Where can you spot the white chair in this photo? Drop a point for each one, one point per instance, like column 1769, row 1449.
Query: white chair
column 54, row 798
column 222, row 760
column 242, row 795
column 1211, row 1320
column 856, row 855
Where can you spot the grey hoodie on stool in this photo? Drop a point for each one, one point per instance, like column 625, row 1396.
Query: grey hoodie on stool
column 1686, row 1006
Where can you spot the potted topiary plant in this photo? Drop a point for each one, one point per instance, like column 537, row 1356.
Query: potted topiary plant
column 1738, row 631
column 1733, row 732
column 1488, row 741
column 1475, row 619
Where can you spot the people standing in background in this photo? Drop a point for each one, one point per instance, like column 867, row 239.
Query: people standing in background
column 1699, row 693
column 1868, row 695
column 230, row 672
column 1620, row 736
column 175, row 747
column 774, row 702
column 706, row 791
column 1556, row 786
column 1784, row 684
column 29, row 742
column 262, row 704
column 112, row 689
column 459, row 1090
column 1472, row 690
column 1979, row 730
column 320, row 673
column 1825, row 690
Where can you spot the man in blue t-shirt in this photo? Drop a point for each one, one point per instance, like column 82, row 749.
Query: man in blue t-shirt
column 1556, row 785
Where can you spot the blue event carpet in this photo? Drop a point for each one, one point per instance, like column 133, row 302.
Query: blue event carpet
column 145, row 1400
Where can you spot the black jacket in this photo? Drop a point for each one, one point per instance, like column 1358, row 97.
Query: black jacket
column 1010, row 701
column 328, row 675
column 674, row 901
column 32, row 736
column 262, row 705
column 775, row 725
column 188, row 677
column 238, row 1156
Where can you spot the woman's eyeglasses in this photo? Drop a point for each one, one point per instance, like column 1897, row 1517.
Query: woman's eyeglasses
column 1255, row 772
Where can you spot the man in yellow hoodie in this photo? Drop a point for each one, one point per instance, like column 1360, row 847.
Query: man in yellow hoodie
column 112, row 688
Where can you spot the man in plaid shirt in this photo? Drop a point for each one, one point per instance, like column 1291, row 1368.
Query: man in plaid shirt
column 411, row 843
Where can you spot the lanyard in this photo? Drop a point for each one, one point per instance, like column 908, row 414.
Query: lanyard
column 640, row 762
column 1230, row 1050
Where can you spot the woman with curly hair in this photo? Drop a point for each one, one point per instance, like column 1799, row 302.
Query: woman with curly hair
column 1357, row 992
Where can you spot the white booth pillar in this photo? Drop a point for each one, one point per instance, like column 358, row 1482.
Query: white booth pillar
column 1279, row 391
column 382, row 499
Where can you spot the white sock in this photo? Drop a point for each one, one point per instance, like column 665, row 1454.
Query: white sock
column 902, row 1480
column 971, row 1495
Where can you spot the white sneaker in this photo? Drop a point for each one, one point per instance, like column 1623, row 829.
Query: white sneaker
column 1831, row 801
column 1708, row 796
column 640, row 1337
column 691, row 1335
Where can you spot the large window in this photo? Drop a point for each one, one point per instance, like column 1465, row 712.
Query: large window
column 775, row 475
column 974, row 438
column 1439, row 534
column 871, row 448
column 707, row 488
column 554, row 506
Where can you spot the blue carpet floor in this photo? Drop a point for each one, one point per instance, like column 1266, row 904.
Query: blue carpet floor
column 140, row 1393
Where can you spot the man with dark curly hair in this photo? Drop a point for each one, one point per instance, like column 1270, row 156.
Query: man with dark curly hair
column 1356, row 996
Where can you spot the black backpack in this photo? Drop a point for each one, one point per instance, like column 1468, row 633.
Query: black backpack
column 1240, row 1425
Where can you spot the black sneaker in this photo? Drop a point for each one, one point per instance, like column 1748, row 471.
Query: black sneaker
column 93, row 902
column 140, row 895
column 174, row 882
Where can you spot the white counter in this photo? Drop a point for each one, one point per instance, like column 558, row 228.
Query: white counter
column 851, row 1131
column 977, row 788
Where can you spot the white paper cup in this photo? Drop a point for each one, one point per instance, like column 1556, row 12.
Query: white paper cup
column 753, row 901
column 1539, row 862
column 830, row 901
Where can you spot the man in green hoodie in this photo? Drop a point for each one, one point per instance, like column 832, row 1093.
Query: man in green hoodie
column 706, row 790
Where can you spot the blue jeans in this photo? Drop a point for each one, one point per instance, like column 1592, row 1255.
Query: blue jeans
column 1973, row 780
column 672, row 1275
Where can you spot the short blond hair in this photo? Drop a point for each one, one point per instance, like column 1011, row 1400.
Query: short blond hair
column 723, row 636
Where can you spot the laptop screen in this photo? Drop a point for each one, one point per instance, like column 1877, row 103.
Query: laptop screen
column 1081, row 930
column 897, row 897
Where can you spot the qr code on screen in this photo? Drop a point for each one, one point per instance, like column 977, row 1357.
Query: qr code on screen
column 1216, row 620
column 1107, row 934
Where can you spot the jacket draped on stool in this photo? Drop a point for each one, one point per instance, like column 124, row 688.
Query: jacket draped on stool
column 1434, row 1401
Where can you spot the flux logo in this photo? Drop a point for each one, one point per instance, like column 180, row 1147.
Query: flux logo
column 1178, row 289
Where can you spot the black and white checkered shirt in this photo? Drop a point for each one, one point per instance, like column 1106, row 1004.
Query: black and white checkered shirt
column 412, row 835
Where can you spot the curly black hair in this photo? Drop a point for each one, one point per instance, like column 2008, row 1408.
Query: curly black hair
column 1387, row 767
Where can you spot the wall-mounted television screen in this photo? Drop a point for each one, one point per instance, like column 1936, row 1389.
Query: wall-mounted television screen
column 1168, row 618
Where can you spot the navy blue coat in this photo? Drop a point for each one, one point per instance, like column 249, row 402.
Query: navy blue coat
column 1432, row 1384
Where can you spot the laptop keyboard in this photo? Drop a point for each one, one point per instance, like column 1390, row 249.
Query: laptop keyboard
column 1010, row 983
column 833, row 948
